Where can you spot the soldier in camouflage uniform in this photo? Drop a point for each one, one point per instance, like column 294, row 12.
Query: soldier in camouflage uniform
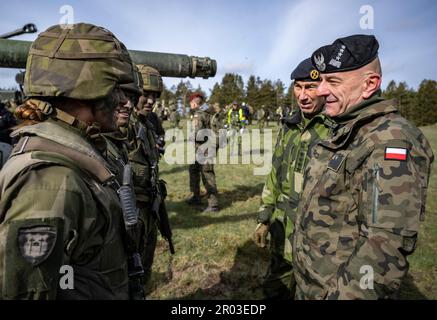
column 143, row 155
column 174, row 117
column 282, row 190
column 365, row 188
column 153, row 87
column 260, row 117
column 201, row 120
column 59, row 203
column 217, row 119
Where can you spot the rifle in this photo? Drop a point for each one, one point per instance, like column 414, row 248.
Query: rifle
column 130, row 216
column 158, row 191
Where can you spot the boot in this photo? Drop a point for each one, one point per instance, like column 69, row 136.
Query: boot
column 194, row 200
column 212, row 204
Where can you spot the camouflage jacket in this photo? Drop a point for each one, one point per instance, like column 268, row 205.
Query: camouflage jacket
column 201, row 120
column 58, row 208
column 284, row 182
column 362, row 202
column 143, row 155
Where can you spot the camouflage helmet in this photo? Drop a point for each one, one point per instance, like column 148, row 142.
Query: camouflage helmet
column 80, row 61
column 137, row 84
column 151, row 78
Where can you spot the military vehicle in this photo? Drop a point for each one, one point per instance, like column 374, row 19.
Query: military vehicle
column 16, row 95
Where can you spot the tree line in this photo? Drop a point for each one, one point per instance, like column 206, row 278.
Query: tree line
column 419, row 106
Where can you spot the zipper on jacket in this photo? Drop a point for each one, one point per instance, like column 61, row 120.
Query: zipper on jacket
column 375, row 193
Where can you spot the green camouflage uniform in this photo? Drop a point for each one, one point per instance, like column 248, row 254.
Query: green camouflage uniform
column 47, row 199
column 281, row 193
column 261, row 115
column 360, row 208
column 174, row 118
column 58, row 196
column 201, row 120
column 144, row 157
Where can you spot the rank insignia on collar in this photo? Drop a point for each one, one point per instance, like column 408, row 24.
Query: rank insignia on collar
column 36, row 243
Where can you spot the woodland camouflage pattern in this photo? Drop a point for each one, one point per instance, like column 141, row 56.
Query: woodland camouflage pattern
column 43, row 191
column 201, row 120
column 88, row 57
column 152, row 80
column 143, row 156
column 358, row 209
column 282, row 190
column 58, row 197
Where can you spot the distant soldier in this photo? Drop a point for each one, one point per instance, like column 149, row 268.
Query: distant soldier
column 261, row 117
column 202, row 120
column 246, row 113
column 236, row 117
column 365, row 190
column 153, row 88
column 174, row 117
column 235, row 125
column 279, row 114
column 282, row 191
column 217, row 119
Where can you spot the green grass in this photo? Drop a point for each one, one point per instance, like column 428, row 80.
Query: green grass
column 216, row 258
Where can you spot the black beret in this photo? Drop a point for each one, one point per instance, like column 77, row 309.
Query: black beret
column 305, row 71
column 346, row 54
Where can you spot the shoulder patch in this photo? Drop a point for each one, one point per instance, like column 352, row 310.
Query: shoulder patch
column 36, row 243
column 392, row 153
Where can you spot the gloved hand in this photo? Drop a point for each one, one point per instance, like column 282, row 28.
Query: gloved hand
column 260, row 235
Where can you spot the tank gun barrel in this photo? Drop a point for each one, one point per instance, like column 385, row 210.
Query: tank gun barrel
column 27, row 28
column 13, row 54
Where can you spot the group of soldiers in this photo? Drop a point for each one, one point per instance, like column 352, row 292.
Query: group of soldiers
column 342, row 205
column 81, row 187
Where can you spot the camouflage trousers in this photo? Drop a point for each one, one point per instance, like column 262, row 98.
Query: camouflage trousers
column 279, row 282
column 206, row 171
column 147, row 249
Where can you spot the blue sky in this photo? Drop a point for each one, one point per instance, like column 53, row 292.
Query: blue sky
column 260, row 37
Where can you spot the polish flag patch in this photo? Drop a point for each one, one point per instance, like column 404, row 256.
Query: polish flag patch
column 395, row 154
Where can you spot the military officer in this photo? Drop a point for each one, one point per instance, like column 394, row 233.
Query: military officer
column 59, row 208
column 365, row 188
column 282, row 190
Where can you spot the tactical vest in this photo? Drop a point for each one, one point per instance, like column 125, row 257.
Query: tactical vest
column 143, row 156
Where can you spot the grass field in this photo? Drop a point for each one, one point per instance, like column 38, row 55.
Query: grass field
column 216, row 258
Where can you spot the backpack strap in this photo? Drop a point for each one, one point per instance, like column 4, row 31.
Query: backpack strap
column 92, row 166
